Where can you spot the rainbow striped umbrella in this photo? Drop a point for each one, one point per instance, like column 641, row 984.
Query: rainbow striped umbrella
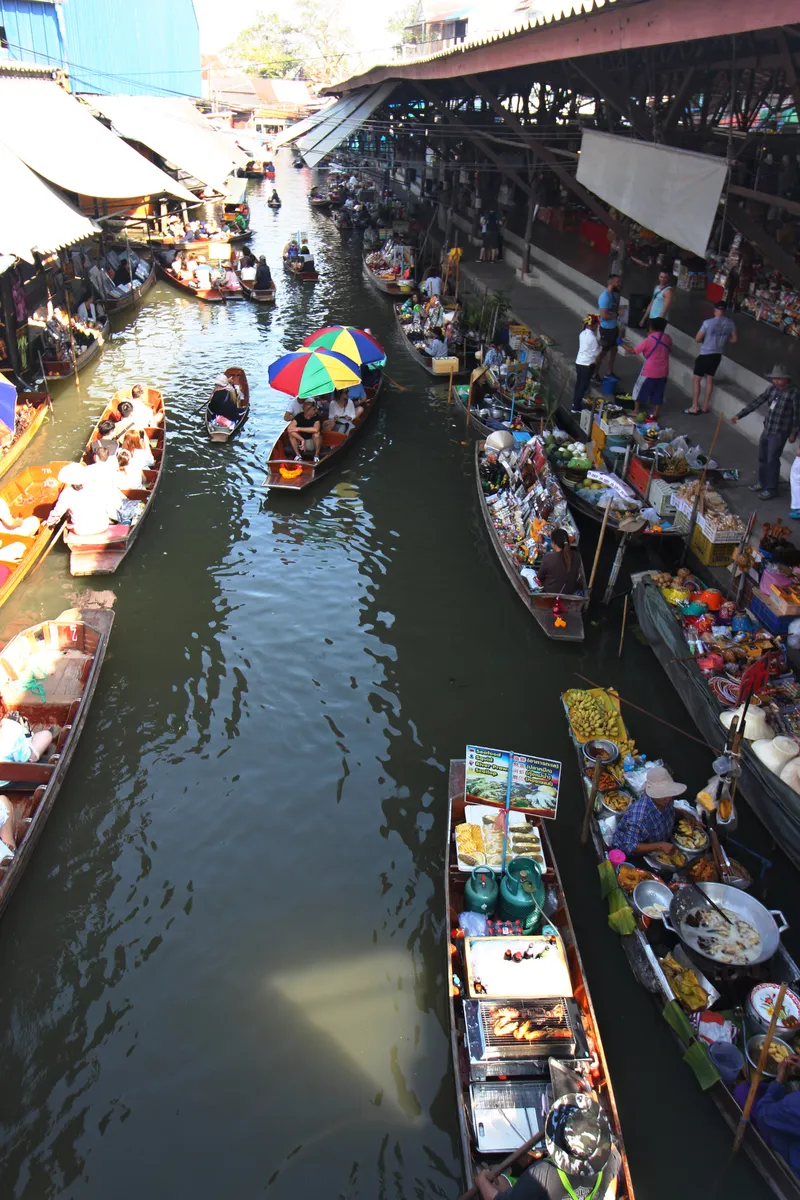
column 305, row 373
column 356, row 344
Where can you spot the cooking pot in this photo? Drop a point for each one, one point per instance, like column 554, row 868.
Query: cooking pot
column 712, row 599
column 499, row 414
column 694, row 608
column 686, row 901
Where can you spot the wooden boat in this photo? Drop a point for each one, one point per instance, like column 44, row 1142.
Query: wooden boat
column 57, row 369
column 101, row 553
column 31, row 493
column 221, row 433
column 641, row 949
column 421, row 358
column 276, row 204
column 64, row 658
column 207, row 295
column 595, row 512
column 479, row 1056
column 243, row 235
column 460, row 399
column 775, row 804
column 320, row 203
column 539, row 605
column 32, row 408
column 258, row 295
column 300, row 270
column 133, row 297
column 303, row 474
column 389, row 287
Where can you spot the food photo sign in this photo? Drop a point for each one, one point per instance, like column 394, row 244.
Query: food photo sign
column 508, row 780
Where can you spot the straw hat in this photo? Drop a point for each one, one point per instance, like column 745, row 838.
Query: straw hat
column 577, row 1135
column 779, row 371
column 659, row 784
column 73, row 473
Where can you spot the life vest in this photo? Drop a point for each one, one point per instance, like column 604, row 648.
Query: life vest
column 567, row 1186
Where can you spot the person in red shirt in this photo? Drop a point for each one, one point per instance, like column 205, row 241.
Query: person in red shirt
column 655, row 350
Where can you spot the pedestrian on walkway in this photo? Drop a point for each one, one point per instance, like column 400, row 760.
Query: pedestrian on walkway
column 660, row 301
column 588, row 350
column 781, row 423
column 649, row 388
column 715, row 333
column 608, row 303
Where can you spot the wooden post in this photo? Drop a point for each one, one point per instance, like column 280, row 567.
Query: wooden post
column 599, row 544
column 450, row 387
column 587, row 816
column 762, row 1062
column 469, row 401
column 700, row 486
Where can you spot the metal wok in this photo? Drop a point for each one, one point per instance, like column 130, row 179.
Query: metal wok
column 687, row 901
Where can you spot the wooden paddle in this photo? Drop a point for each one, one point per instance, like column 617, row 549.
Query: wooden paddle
column 762, row 1062
column 61, row 530
column 504, row 1165
column 587, row 816
column 394, row 383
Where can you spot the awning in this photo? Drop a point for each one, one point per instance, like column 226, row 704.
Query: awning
column 673, row 192
column 172, row 126
column 32, row 215
column 59, row 138
column 325, row 131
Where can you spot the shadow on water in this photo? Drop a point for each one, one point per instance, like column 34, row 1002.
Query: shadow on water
column 224, row 968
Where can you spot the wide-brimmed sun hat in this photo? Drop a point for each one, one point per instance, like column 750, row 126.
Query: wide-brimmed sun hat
column 659, row 784
column 73, row 473
column 577, row 1135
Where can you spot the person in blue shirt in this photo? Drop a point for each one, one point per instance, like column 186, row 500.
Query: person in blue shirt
column 608, row 333
column 776, row 1115
column 494, row 356
column 660, row 301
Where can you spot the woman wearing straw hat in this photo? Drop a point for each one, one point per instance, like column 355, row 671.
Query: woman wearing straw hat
column 582, row 1163
column 781, row 423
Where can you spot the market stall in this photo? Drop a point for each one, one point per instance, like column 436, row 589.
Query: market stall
column 391, row 269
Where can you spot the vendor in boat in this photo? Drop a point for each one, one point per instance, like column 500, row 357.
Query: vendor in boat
column 494, row 356
column 304, row 428
column 224, row 401
column 776, row 1112
column 274, row 198
column 582, row 1162
column 263, row 276
column 646, row 826
column 438, row 347
column 410, row 305
column 292, row 251
column 559, row 571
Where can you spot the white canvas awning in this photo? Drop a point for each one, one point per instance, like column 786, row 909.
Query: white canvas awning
column 673, row 192
column 60, row 139
column 322, row 133
column 32, row 216
column 172, row 126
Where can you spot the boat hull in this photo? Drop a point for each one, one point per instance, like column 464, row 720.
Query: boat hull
column 313, row 472
column 55, row 369
column 115, row 307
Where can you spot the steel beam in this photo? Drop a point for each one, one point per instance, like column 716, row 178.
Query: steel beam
column 546, row 156
column 765, row 198
column 607, row 89
column 749, row 229
column 789, row 67
column 679, row 99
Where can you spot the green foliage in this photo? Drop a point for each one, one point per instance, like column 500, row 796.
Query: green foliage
column 315, row 47
column 269, row 47
column 400, row 22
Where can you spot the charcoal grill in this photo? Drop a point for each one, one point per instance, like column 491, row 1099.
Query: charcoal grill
column 555, row 1021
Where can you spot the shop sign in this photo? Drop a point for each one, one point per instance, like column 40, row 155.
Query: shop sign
column 509, row 780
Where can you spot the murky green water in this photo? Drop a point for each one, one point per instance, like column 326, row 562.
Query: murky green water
column 222, row 974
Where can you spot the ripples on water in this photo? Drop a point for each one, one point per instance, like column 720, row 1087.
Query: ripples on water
column 223, row 970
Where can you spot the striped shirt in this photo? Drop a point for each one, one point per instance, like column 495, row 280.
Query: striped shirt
column 783, row 413
column 644, row 821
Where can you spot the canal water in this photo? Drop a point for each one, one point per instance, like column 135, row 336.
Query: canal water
column 223, row 972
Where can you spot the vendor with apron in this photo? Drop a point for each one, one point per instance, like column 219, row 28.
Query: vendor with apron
column 582, row 1164
column 646, row 826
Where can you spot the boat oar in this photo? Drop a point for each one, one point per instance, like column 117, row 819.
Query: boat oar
column 599, row 544
column 505, row 1164
column 61, row 530
column 394, row 383
column 762, row 1062
column 587, row 816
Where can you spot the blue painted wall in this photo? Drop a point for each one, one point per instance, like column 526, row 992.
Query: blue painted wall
column 136, row 47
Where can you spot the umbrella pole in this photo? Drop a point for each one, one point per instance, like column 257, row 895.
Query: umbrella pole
column 599, row 545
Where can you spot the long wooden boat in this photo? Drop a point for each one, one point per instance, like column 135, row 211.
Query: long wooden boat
column 539, row 605
column 102, row 553
column 775, row 804
column 133, row 297
column 300, row 270
column 64, row 657
column 303, row 474
column 258, row 295
column 496, row 1074
column 221, row 433
column 421, row 358
column 642, row 948
column 55, row 368
column 461, row 398
column 320, row 203
column 31, row 493
column 595, row 512
column 389, row 287
column 207, row 295
column 243, row 235
column 33, row 408
column 274, row 204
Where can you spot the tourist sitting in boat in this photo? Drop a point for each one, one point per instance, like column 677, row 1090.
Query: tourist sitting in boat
column 17, row 745
column 133, row 414
column 89, row 498
column 203, row 276
column 224, row 401
column 248, row 269
column 230, row 281
column 275, row 198
column 305, row 430
column 560, row 569
column 646, row 826
column 438, row 348
column 24, row 526
column 342, row 413
column 582, row 1159
column 139, row 450
column 105, row 441
column 263, row 276
column 130, row 474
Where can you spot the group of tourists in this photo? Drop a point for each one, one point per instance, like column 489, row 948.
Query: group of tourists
column 255, row 273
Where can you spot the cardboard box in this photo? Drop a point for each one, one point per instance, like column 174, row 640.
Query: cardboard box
column 444, row 366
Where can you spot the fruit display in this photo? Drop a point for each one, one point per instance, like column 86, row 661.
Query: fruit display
column 617, row 801
column 628, row 877
column 591, row 718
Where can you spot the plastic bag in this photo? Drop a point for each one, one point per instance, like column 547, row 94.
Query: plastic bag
column 473, row 924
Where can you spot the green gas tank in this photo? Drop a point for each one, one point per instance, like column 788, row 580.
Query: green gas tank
column 522, row 893
column 480, row 892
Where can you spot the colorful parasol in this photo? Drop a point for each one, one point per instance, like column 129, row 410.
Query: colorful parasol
column 305, row 373
column 356, row 344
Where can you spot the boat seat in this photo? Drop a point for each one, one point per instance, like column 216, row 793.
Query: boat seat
column 114, row 533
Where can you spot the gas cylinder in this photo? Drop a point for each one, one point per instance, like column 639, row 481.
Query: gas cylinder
column 480, row 892
column 522, row 893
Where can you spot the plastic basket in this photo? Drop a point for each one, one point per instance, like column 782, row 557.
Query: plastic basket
column 765, row 614
column 711, row 554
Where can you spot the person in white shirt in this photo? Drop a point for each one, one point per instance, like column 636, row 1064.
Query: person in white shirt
column 588, row 351
column 293, row 408
column 130, row 474
column 139, row 450
column 91, row 502
column 342, row 413
column 203, row 276
column 438, row 348
column 433, row 285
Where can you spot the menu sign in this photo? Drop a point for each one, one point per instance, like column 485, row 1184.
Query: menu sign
column 523, row 782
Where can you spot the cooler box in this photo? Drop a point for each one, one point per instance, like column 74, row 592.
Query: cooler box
column 662, row 496
column 444, row 366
